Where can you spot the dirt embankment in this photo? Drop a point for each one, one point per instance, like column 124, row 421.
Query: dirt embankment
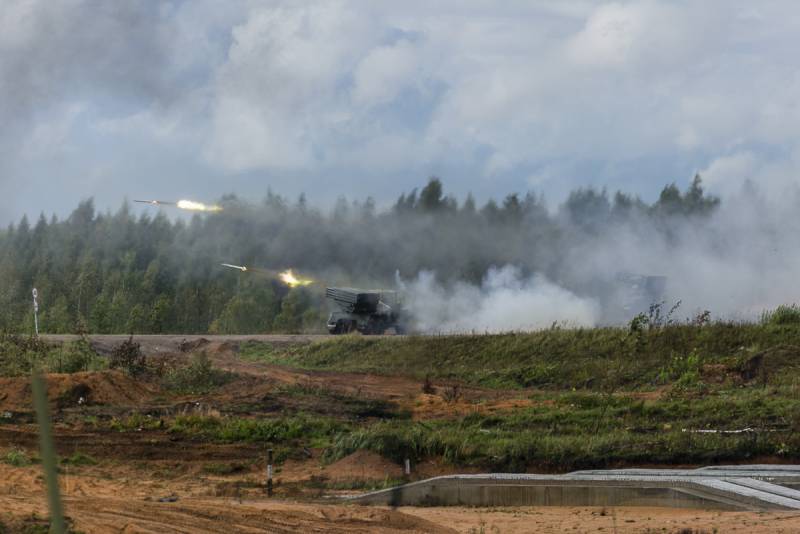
column 112, row 388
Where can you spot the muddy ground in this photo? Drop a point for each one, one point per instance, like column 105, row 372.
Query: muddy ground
column 151, row 480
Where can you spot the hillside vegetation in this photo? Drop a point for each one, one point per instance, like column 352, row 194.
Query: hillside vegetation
column 676, row 394
column 554, row 400
column 587, row 358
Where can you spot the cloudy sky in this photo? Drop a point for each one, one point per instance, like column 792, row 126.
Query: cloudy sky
column 195, row 99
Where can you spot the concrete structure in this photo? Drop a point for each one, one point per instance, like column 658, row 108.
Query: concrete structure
column 750, row 487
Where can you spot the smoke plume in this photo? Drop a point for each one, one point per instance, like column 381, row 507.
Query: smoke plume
column 505, row 300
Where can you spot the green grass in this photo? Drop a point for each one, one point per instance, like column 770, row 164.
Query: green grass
column 17, row 458
column 578, row 431
column 18, row 354
column 561, row 432
column 199, row 377
column 595, row 358
column 78, row 460
column 311, row 430
column 719, row 376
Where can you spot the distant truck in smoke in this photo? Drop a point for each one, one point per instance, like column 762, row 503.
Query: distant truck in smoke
column 371, row 311
column 635, row 293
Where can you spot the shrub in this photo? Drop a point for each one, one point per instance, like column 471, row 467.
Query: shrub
column 128, row 357
column 198, row 377
column 74, row 357
column 17, row 458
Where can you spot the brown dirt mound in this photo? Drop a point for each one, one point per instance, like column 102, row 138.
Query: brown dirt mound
column 67, row 390
column 363, row 464
column 768, row 363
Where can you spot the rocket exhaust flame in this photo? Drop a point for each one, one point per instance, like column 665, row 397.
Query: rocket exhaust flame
column 291, row 280
column 287, row 277
column 197, row 206
column 183, row 204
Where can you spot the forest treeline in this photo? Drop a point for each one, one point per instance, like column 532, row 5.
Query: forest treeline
column 129, row 272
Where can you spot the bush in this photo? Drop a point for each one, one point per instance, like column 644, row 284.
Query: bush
column 74, row 357
column 198, row 377
column 17, row 458
column 128, row 357
column 18, row 354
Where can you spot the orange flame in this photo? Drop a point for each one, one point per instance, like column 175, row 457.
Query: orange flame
column 289, row 278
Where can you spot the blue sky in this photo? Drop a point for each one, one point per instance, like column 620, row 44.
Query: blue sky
column 197, row 99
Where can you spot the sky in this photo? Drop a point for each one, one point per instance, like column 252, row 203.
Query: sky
column 196, row 99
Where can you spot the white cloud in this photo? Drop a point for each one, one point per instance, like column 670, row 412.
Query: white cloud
column 280, row 93
column 362, row 93
column 385, row 72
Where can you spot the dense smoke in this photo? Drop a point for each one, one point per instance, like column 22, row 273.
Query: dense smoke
column 504, row 301
column 508, row 265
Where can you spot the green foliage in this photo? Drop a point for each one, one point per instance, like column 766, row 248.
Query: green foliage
column 74, row 357
column 135, row 422
column 128, row 357
column 682, row 370
column 78, row 459
column 274, row 430
column 18, row 355
column 596, row 359
column 199, row 377
column 564, row 435
column 17, row 458
column 297, row 313
column 782, row 315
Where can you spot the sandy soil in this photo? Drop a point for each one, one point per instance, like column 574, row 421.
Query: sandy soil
column 123, row 499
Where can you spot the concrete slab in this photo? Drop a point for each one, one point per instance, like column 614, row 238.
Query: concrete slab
column 720, row 487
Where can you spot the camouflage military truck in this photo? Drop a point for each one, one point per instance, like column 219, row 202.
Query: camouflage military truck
column 371, row 311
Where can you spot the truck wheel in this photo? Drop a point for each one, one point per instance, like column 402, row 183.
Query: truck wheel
column 341, row 327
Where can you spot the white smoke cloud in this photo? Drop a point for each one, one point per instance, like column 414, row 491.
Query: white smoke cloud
column 505, row 301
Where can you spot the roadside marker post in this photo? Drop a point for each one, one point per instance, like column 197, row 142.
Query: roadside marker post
column 407, row 467
column 36, row 311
